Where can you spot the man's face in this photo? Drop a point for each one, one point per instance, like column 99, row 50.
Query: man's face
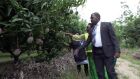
column 94, row 19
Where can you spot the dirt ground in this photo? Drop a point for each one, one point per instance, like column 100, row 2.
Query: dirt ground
column 127, row 70
column 57, row 67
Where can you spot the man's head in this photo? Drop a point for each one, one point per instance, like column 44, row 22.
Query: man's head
column 95, row 18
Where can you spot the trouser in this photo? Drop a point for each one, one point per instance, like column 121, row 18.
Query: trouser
column 85, row 68
column 102, row 61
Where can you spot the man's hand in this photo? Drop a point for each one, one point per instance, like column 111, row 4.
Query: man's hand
column 117, row 55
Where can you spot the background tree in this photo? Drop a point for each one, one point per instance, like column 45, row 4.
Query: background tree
column 128, row 27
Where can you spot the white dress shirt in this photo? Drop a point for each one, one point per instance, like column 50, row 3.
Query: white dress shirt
column 98, row 41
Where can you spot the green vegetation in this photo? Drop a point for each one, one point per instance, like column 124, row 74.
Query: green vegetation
column 6, row 57
column 128, row 27
column 38, row 25
column 72, row 74
column 45, row 23
column 128, row 55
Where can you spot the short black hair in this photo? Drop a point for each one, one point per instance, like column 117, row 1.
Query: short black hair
column 97, row 14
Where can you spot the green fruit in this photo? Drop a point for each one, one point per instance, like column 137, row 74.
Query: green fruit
column 17, row 51
column 30, row 40
column 39, row 41
column 71, row 11
column 76, row 12
column 60, row 34
column 47, row 30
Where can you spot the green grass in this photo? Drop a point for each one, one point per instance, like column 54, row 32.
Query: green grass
column 128, row 55
column 68, row 75
column 131, row 59
column 6, row 57
column 72, row 74
column 3, row 55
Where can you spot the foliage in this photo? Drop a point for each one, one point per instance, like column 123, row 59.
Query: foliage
column 47, row 20
column 128, row 28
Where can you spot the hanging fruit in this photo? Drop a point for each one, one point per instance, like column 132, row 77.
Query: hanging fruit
column 39, row 41
column 47, row 30
column 17, row 51
column 30, row 40
column 76, row 13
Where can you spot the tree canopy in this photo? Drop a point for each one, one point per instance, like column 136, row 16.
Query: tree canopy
column 128, row 27
column 43, row 22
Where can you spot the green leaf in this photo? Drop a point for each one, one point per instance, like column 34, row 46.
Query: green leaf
column 28, row 26
column 17, row 19
column 25, row 30
column 9, row 11
column 5, row 24
column 36, row 1
column 43, row 5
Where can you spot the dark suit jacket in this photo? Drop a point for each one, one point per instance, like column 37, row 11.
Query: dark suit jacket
column 108, row 37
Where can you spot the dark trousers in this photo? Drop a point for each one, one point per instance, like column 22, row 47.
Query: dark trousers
column 102, row 61
column 85, row 68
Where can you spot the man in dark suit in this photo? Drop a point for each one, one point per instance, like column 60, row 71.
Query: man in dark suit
column 105, row 46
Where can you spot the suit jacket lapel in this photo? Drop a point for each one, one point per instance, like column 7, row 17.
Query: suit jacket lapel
column 101, row 28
